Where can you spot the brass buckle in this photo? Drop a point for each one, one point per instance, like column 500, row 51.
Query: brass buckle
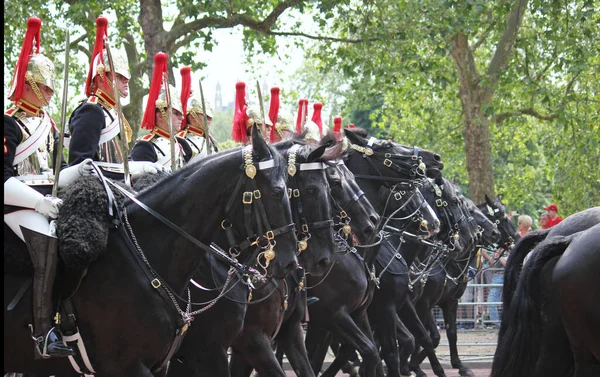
column 304, row 228
column 289, row 193
column 155, row 283
column 257, row 194
column 414, row 158
column 388, row 155
column 387, row 162
column 296, row 193
column 439, row 202
column 343, row 214
column 270, row 235
column 247, row 197
column 397, row 196
column 224, row 225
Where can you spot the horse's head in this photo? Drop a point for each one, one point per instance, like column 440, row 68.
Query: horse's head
column 353, row 207
column 407, row 210
column 308, row 191
column 409, row 161
column 354, row 211
column 458, row 229
column 496, row 212
column 489, row 233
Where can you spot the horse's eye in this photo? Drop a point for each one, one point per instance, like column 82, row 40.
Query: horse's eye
column 336, row 184
column 277, row 193
column 311, row 190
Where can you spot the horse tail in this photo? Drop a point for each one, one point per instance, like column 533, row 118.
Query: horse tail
column 513, row 269
column 518, row 350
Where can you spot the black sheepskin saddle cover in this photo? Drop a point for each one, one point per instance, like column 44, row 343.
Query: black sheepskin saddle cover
column 83, row 223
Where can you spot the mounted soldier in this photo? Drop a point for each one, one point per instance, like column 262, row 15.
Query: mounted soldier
column 94, row 124
column 31, row 144
column 193, row 129
column 245, row 117
column 163, row 113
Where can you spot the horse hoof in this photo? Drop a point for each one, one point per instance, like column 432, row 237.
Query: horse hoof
column 465, row 372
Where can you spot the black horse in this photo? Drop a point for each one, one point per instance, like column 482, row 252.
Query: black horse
column 281, row 307
column 128, row 304
column 447, row 282
column 496, row 212
column 378, row 164
column 550, row 320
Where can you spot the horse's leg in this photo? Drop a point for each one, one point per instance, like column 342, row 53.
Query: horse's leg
column 450, row 309
column 206, row 360
column 385, row 318
column 406, row 341
column 409, row 316
column 348, row 332
column 317, row 343
column 291, row 341
column 257, row 353
column 238, row 365
column 279, row 354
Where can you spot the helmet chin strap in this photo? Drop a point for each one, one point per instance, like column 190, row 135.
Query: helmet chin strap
column 36, row 89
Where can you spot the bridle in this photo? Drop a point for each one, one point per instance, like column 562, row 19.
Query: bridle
column 294, row 169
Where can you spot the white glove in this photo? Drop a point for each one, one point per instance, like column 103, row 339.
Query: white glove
column 70, row 174
column 48, row 206
column 140, row 168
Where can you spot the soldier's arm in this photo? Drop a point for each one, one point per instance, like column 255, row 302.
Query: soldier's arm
column 12, row 138
column 143, row 151
column 86, row 126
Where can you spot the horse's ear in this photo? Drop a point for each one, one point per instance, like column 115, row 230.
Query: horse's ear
column 454, row 180
column 499, row 198
column 354, row 138
column 333, row 153
column 259, row 145
column 489, row 201
column 316, row 154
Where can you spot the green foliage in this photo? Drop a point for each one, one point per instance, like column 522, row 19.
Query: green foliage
column 549, row 153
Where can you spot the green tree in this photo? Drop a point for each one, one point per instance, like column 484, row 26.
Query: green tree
column 507, row 91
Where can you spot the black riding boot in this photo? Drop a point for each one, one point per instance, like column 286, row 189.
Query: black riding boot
column 43, row 251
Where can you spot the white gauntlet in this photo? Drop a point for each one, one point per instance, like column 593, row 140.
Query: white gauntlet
column 70, row 174
column 140, row 168
column 17, row 193
column 48, row 206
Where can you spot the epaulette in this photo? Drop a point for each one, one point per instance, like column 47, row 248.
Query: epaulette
column 92, row 99
column 10, row 112
column 147, row 137
column 181, row 134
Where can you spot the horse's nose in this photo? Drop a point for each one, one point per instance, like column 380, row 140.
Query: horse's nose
column 292, row 266
column 324, row 263
column 374, row 219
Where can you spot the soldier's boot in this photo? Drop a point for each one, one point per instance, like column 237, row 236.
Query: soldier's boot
column 43, row 251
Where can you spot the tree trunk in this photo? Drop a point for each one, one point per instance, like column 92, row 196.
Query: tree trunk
column 478, row 148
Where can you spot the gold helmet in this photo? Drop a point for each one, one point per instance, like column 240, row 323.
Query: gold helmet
column 194, row 105
column 119, row 63
column 32, row 67
column 256, row 117
column 285, row 122
column 161, row 101
column 41, row 71
column 312, row 131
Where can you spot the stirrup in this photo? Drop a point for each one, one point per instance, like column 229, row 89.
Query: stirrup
column 41, row 344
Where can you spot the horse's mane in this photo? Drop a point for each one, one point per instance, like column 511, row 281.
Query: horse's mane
column 519, row 349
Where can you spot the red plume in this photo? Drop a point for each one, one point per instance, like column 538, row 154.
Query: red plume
column 302, row 104
column 337, row 127
column 159, row 77
column 351, row 126
column 318, row 106
column 186, row 91
column 33, row 33
column 240, row 117
column 273, row 112
column 101, row 33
